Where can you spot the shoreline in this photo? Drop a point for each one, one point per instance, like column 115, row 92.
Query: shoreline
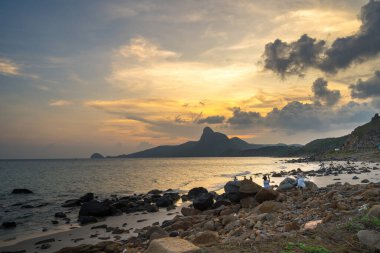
column 82, row 234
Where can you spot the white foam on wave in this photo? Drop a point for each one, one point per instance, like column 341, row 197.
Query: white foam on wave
column 242, row 173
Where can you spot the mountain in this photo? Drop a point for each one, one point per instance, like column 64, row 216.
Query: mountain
column 211, row 144
column 365, row 137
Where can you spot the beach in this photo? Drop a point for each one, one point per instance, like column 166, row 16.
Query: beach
column 124, row 226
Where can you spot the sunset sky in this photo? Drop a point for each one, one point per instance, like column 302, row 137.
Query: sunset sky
column 78, row 77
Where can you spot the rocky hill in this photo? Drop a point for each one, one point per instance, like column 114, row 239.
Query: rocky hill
column 365, row 137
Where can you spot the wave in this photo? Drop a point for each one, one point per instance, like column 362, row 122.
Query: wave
column 243, row 173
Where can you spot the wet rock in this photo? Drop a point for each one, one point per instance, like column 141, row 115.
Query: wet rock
column 195, row 192
column 155, row 191
column 95, row 208
column 365, row 181
column 87, row 197
column 370, row 239
column 164, row 201
column 232, row 187
column 151, row 208
column 45, row 246
column 54, row 222
column 276, row 174
column 265, row 195
column 21, row 191
column 203, row 202
column 8, row 224
column 355, row 177
column 50, row 240
column 187, row 211
column 171, row 245
column 60, row 215
column 83, row 220
column 228, row 219
column 206, row 238
column 221, row 202
column 71, row 203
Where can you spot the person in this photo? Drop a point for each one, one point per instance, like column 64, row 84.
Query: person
column 300, row 180
column 266, row 182
column 235, row 178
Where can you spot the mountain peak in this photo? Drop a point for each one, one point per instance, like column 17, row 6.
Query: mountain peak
column 207, row 131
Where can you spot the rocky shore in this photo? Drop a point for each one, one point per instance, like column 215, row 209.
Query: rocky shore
column 337, row 218
column 340, row 217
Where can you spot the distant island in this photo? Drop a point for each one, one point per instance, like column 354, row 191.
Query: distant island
column 364, row 140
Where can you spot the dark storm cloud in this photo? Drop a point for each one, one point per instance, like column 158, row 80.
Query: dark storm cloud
column 323, row 94
column 368, row 88
column 212, row 120
column 297, row 116
column 295, row 57
column 242, row 119
column 292, row 58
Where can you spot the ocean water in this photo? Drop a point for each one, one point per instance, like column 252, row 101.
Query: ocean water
column 55, row 181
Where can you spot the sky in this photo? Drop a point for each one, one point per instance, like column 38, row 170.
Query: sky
column 115, row 77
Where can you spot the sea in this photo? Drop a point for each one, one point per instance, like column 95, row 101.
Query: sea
column 55, row 181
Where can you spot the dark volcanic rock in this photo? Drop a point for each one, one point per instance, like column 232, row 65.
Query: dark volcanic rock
column 203, row 201
column 45, row 241
column 83, row 220
column 9, row 224
column 195, row 192
column 71, row 203
column 60, row 215
column 232, row 187
column 87, row 197
column 164, row 201
column 21, row 191
column 95, row 208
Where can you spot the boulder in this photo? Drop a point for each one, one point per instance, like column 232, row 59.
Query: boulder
column 265, row 195
column 206, row 238
column 95, row 208
column 87, row 197
column 203, row 201
column 209, row 225
column 187, row 211
column 21, row 191
column 195, row 192
column 221, row 202
column 164, row 201
column 287, row 184
column 83, row 220
column 248, row 202
column 156, row 232
column 232, row 187
column 268, row 207
column 370, row 239
column 171, row 245
column 71, row 203
column 310, row 185
column 228, row 219
column 155, row 192
column 249, row 187
column 9, row 224
column 60, row 215
column 374, row 211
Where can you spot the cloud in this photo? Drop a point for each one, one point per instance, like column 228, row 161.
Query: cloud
column 9, row 68
column 296, row 116
column 142, row 49
column 292, row 58
column 212, row 120
column 243, row 119
column 59, row 102
column 322, row 93
column 296, row 57
column 368, row 88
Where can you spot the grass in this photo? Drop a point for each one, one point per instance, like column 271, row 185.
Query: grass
column 306, row 248
column 363, row 222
